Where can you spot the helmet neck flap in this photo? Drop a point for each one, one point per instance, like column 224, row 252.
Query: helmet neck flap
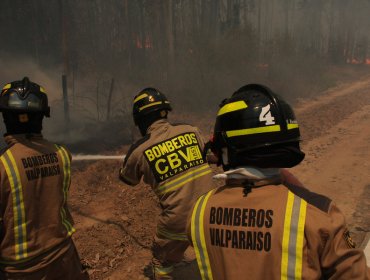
column 16, row 123
column 147, row 120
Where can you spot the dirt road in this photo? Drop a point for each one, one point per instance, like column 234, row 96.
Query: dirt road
column 337, row 147
column 115, row 222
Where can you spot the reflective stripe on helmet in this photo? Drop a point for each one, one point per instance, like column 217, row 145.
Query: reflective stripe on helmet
column 231, row 107
column 152, row 104
column 141, row 96
column 256, row 130
column 292, row 125
column 293, row 237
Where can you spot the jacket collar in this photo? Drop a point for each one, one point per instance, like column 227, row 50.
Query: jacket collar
column 252, row 176
column 156, row 125
column 12, row 139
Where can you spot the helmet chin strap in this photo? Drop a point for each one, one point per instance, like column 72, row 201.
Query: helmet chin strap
column 225, row 156
column 143, row 128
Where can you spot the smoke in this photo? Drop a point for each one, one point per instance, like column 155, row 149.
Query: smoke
column 87, row 128
column 16, row 68
column 197, row 56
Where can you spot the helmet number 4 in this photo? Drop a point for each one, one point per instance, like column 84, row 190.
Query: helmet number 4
column 266, row 116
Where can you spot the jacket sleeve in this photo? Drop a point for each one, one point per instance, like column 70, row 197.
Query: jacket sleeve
column 1, row 228
column 206, row 151
column 130, row 171
column 188, row 225
column 1, row 216
column 68, row 152
column 340, row 259
column 200, row 138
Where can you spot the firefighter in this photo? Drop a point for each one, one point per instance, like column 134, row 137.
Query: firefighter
column 170, row 159
column 35, row 223
column 254, row 227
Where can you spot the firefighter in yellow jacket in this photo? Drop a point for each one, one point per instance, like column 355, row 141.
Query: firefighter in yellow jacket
column 254, row 227
column 169, row 159
column 35, row 224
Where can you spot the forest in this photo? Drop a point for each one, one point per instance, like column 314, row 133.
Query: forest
column 195, row 51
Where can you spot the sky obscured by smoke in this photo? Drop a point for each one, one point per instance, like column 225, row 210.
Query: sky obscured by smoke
column 15, row 68
column 197, row 52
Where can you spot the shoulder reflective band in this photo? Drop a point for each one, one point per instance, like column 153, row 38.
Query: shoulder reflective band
column 42, row 89
column 66, row 183
column 141, row 96
column 182, row 180
column 20, row 231
column 7, row 86
column 231, row 107
column 256, row 130
column 293, row 238
column 152, row 104
column 197, row 236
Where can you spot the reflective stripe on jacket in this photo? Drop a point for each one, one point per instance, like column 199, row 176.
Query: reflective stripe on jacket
column 169, row 159
column 275, row 232
column 35, row 179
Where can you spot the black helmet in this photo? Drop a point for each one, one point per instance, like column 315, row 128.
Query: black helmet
column 24, row 97
column 149, row 100
column 253, row 119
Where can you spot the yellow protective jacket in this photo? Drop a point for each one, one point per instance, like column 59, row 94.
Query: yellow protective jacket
column 36, row 225
column 169, row 159
column 273, row 232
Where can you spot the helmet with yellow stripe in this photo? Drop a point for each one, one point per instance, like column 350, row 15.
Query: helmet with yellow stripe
column 24, row 97
column 149, row 105
column 255, row 126
column 147, row 101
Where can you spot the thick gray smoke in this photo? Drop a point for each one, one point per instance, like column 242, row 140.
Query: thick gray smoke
column 15, row 68
column 85, row 124
column 196, row 51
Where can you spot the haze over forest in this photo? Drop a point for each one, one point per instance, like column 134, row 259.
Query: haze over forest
column 197, row 52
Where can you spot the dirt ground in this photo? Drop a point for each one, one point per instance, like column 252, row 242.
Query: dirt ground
column 115, row 222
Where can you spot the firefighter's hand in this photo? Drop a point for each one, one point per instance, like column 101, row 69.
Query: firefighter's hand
column 212, row 158
column 208, row 153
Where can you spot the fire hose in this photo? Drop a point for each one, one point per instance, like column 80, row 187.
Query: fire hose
column 81, row 157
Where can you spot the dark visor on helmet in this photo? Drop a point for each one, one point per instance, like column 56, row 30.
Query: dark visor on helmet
column 31, row 102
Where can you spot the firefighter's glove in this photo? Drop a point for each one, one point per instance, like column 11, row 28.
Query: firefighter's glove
column 209, row 153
